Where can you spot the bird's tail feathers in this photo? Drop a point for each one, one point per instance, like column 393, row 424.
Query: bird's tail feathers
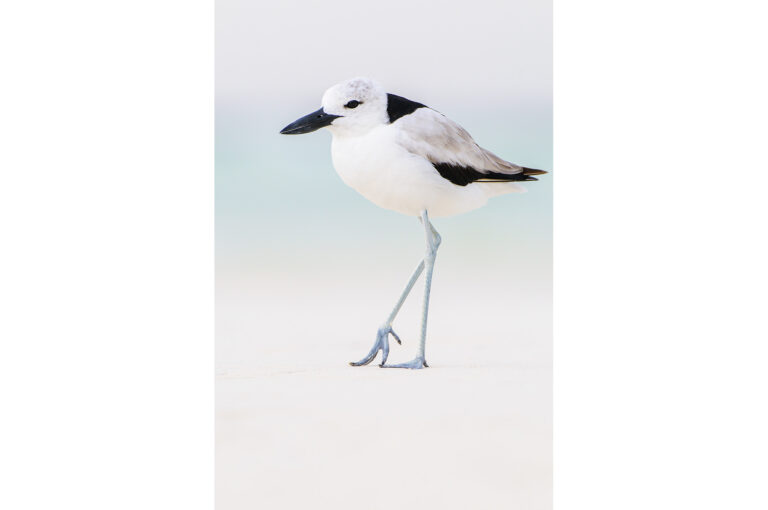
column 526, row 175
column 532, row 171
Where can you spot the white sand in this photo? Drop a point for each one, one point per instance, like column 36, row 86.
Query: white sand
column 298, row 428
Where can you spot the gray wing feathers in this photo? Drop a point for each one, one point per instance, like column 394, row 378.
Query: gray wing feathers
column 437, row 138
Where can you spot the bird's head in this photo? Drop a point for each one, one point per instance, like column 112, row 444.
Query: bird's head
column 351, row 107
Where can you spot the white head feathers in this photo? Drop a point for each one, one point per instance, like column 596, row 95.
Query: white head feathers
column 361, row 104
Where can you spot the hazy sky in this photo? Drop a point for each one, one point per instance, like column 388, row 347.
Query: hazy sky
column 479, row 52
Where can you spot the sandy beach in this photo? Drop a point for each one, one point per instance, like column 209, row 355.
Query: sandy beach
column 298, row 428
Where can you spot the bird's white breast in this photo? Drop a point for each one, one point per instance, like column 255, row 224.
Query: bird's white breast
column 385, row 173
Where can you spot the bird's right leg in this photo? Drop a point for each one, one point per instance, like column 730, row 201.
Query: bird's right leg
column 382, row 336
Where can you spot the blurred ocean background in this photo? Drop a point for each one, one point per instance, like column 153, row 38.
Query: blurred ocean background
column 306, row 269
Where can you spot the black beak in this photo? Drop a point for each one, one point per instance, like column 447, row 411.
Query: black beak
column 309, row 123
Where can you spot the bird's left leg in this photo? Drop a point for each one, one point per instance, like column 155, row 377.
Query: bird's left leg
column 433, row 243
column 382, row 335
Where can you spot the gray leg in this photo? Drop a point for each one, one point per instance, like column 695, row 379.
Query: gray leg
column 433, row 243
column 382, row 336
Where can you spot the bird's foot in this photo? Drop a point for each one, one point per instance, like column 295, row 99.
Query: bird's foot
column 416, row 363
column 381, row 344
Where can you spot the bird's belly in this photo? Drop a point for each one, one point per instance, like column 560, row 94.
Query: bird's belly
column 401, row 182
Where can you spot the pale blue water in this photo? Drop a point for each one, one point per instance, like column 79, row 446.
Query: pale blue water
column 276, row 194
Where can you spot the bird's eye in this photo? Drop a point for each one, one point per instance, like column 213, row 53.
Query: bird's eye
column 353, row 104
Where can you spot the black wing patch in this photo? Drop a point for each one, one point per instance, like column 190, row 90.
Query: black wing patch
column 399, row 106
column 463, row 175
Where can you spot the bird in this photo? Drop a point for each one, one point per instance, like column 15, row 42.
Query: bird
column 406, row 157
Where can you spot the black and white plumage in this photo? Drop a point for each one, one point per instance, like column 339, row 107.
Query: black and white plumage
column 407, row 157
